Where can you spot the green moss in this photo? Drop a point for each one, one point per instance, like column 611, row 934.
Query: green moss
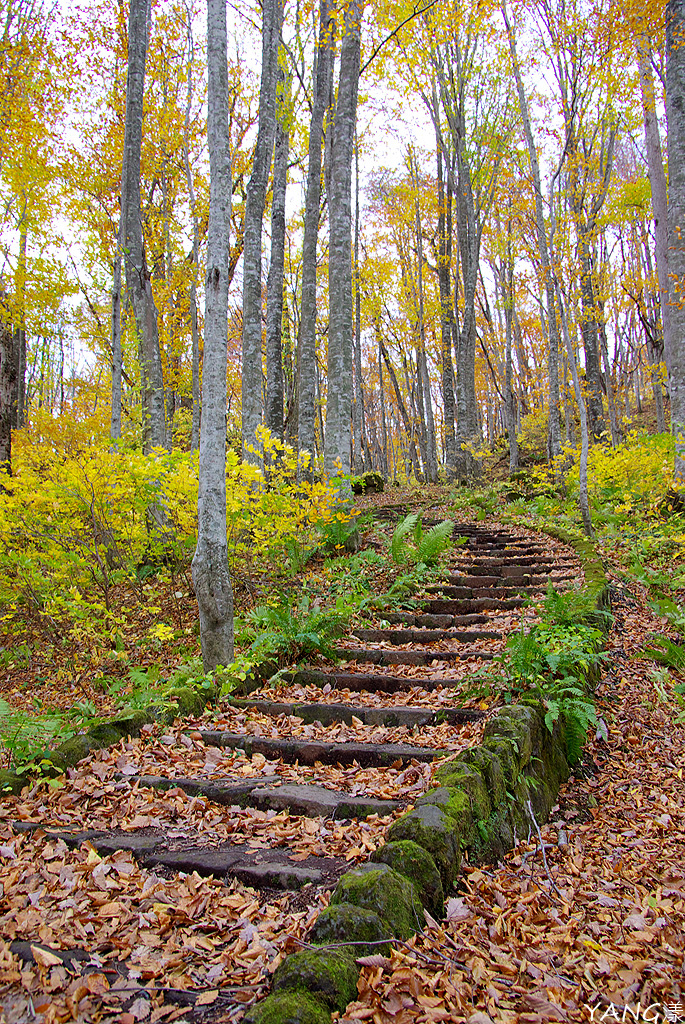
column 330, row 974
column 416, row 864
column 187, row 699
column 435, row 831
column 393, row 897
column 70, row 753
column 504, row 749
column 470, row 781
column 483, row 761
column 344, row 922
column 133, row 721
column 289, row 1008
column 515, row 723
column 106, row 734
column 10, row 782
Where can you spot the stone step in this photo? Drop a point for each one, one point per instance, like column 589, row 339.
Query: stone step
column 448, row 606
column 223, row 790
column 265, row 793
column 476, row 592
column 259, row 868
column 434, row 621
column 292, row 749
column 328, row 714
column 357, row 682
column 385, row 656
column 425, row 636
column 491, row 566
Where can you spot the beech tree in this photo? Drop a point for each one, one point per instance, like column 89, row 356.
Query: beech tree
column 675, row 109
column 210, row 572
column 138, row 282
column 340, row 324
column 272, row 16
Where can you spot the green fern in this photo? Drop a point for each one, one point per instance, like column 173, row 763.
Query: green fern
column 577, row 713
column 666, row 652
column 290, row 635
column 433, row 543
column 398, row 544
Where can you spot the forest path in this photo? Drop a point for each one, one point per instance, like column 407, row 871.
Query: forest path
column 186, row 863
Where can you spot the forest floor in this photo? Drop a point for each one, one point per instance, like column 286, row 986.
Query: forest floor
column 585, row 921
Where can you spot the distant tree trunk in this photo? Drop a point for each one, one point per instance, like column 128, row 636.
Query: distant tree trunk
column 422, row 363
column 583, row 499
column 306, row 348
column 509, row 399
column 115, row 420
column 272, row 12
column 446, row 315
column 19, row 416
column 675, row 110
column 138, row 282
column 8, row 392
column 211, row 577
column 339, row 383
column 274, row 285
column 657, row 180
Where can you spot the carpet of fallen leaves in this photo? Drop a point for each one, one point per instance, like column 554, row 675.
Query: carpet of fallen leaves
column 595, row 929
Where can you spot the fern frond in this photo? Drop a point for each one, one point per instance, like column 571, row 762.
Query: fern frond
column 402, row 531
column 433, row 543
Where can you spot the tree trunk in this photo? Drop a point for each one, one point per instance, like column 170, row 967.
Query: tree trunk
column 195, row 252
column 554, row 429
column 358, row 401
column 211, row 577
column 583, row 499
column 306, row 347
column 19, row 408
column 115, row 419
column 138, row 282
column 8, row 391
column 272, row 12
column 657, row 180
column 339, row 395
column 274, row 285
column 675, row 110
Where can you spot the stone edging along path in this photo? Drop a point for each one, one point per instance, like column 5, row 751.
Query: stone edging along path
column 485, row 798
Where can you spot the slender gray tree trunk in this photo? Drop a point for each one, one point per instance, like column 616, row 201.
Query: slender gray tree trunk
column 675, row 111
column 339, row 396
column 583, row 499
column 138, row 284
column 8, row 392
column 211, row 576
column 358, row 401
column 554, row 430
column 447, row 326
column 272, row 13
column 195, row 252
column 274, row 285
column 306, row 347
column 657, row 180
column 115, row 419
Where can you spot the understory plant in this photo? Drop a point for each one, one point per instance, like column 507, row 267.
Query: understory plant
column 410, row 544
column 289, row 634
column 551, row 662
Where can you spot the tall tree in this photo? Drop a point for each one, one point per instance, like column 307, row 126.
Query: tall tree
column 675, row 112
column 138, row 282
column 211, row 576
column 272, row 14
column 274, row 287
column 340, row 326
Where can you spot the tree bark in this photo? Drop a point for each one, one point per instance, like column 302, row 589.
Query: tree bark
column 272, row 12
column 138, row 282
column 306, row 347
column 554, row 430
column 358, row 401
column 583, row 499
column 195, row 252
column 274, row 285
column 675, row 112
column 211, row 576
column 657, row 181
column 117, row 363
column 339, row 396
column 422, row 363
column 8, row 391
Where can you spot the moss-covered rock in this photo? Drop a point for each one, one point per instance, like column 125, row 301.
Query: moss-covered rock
column 516, row 723
column 483, row 761
column 69, row 754
column 470, row 781
column 182, row 702
column 345, row 922
column 289, row 1008
column 329, row 974
column 106, row 734
column 434, row 830
column 11, row 782
column 390, row 895
column 416, row 864
column 504, row 750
